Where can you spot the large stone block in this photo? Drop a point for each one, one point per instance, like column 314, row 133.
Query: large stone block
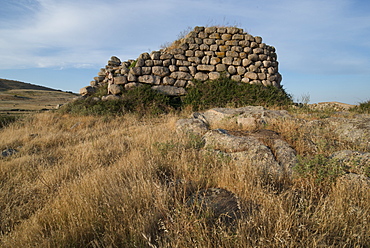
column 149, row 79
column 201, row 76
column 232, row 54
column 170, row 90
column 251, row 75
column 136, row 71
column 155, row 55
column 214, row 75
column 181, row 75
column 120, row 80
column 205, row 67
column 227, row 60
column 160, row 71
column 209, row 41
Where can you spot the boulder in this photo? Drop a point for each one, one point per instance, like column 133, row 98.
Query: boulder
column 244, row 116
column 192, row 126
column 87, row 91
column 8, row 152
column 115, row 89
column 353, row 161
column 160, row 71
column 356, row 130
column 354, row 181
column 246, row 150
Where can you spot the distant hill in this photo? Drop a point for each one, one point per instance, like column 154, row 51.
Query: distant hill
column 19, row 98
column 6, row 84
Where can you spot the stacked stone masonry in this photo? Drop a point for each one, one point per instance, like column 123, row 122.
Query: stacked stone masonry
column 204, row 53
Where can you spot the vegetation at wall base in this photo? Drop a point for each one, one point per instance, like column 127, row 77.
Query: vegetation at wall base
column 142, row 100
column 225, row 92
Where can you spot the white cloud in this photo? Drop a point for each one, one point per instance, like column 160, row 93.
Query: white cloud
column 310, row 35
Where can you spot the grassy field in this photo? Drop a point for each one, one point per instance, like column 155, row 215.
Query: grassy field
column 19, row 98
column 84, row 181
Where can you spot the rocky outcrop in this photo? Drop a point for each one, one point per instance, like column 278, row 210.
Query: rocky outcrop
column 204, row 53
column 263, row 149
column 249, row 143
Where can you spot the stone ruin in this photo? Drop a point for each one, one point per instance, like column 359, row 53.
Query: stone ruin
column 205, row 53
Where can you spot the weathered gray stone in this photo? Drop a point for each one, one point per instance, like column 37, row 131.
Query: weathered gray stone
column 155, row 55
column 170, row 90
column 114, row 89
column 258, row 39
column 120, row 80
column 129, row 86
column 233, row 30
column 238, row 37
column 192, row 70
column 214, row 75
column 236, row 78
column 146, row 70
column 232, row 42
column 241, row 70
column 140, row 62
column 8, row 152
column 201, row 76
column 227, row 60
column 220, row 67
column 111, row 98
column 189, row 53
column 149, row 79
column 181, row 75
column 136, row 71
column 160, row 71
column 205, row 67
column 232, row 54
column 168, row 81
column 191, row 125
column 253, row 57
column 196, row 60
column 353, row 161
column 231, row 69
column 204, row 47
column 114, row 61
column 165, row 56
column 87, row 91
column 206, row 60
column 180, row 83
column 131, row 77
column 246, row 150
column 251, row 75
column 209, row 30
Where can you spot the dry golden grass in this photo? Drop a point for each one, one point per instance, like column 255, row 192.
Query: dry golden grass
column 123, row 182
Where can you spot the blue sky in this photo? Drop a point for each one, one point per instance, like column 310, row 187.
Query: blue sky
column 323, row 47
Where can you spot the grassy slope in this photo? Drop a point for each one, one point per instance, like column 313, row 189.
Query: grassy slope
column 18, row 97
column 102, row 182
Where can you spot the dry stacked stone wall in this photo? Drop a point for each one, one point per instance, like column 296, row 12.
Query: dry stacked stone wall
column 204, row 53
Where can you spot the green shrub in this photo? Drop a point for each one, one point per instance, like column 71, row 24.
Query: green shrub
column 225, row 92
column 363, row 108
column 142, row 100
